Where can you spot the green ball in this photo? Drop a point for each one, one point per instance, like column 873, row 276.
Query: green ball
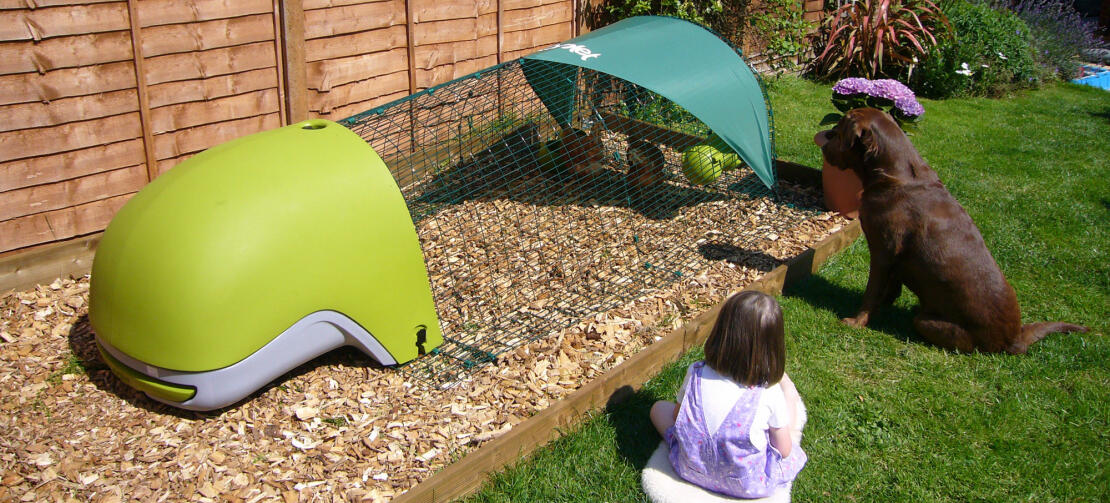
column 701, row 165
column 728, row 159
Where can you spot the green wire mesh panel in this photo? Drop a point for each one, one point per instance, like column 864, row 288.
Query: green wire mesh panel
column 529, row 224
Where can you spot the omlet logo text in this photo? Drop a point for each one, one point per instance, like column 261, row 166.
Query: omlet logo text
column 578, row 49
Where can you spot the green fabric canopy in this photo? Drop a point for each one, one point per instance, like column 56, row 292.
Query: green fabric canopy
column 677, row 59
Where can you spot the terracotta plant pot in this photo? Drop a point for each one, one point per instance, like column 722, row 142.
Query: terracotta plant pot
column 842, row 187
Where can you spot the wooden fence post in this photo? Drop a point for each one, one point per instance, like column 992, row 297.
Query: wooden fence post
column 293, row 64
column 410, row 47
column 140, row 89
column 574, row 29
column 279, row 50
column 500, row 33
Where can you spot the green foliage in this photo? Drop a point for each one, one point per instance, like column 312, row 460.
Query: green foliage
column 878, row 38
column 782, row 26
column 662, row 111
column 338, row 421
column 990, row 55
column 706, row 13
column 778, row 26
column 937, row 78
column 72, row 365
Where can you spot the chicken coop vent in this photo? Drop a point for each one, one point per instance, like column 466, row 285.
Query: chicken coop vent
column 550, row 188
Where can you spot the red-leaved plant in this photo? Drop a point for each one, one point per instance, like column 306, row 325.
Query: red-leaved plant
column 874, row 38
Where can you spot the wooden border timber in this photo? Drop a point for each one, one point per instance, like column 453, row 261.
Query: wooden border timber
column 26, row 268
column 467, row 474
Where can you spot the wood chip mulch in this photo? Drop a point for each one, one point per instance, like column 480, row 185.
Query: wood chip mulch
column 337, row 429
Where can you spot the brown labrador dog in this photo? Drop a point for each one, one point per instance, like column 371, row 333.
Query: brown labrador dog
column 920, row 237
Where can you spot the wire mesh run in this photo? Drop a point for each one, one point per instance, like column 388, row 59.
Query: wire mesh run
column 529, row 224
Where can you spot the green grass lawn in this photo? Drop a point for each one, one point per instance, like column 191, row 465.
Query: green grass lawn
column 894, row 419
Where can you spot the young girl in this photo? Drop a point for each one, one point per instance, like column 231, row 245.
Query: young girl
column 729, row 433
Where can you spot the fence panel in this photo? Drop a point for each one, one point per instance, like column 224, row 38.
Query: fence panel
column 213, row 67
column 71, row 146
column 356, row 55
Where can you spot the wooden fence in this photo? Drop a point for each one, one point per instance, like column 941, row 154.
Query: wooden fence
column 98, row 97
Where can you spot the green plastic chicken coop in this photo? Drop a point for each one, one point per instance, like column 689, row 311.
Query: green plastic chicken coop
column 422, row 230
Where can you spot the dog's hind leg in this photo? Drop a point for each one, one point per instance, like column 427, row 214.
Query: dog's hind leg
column 1033, row 332
column 943, row 333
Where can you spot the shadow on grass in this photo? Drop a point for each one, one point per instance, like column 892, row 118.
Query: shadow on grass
column 627, row 413
column 822, row 294
column 1105, row 114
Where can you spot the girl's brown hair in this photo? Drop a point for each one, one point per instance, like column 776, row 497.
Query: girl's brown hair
column 747, row 344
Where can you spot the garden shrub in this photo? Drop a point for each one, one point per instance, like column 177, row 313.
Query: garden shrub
column 704, row 12
column 775, row 27
column 878, row 38
column 780, row 26
column 1060, row 35
column 990, row 55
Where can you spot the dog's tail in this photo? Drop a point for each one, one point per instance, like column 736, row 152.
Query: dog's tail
column 1033, row 332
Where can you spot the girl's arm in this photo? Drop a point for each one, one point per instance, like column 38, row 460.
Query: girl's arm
column 791, row 394
column 663, row 415
column 780, row 439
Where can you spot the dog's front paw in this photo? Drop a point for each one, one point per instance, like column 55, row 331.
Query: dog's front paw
column 858, row 322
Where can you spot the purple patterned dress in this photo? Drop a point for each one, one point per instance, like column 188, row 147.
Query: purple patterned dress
column 727, row 462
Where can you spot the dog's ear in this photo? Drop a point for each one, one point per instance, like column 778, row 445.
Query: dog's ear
column 870, row 139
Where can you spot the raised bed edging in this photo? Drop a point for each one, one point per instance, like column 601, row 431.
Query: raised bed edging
column 22, row 269
column 468, row 473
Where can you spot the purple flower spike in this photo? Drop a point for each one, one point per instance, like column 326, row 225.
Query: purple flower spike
column 853, row 85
